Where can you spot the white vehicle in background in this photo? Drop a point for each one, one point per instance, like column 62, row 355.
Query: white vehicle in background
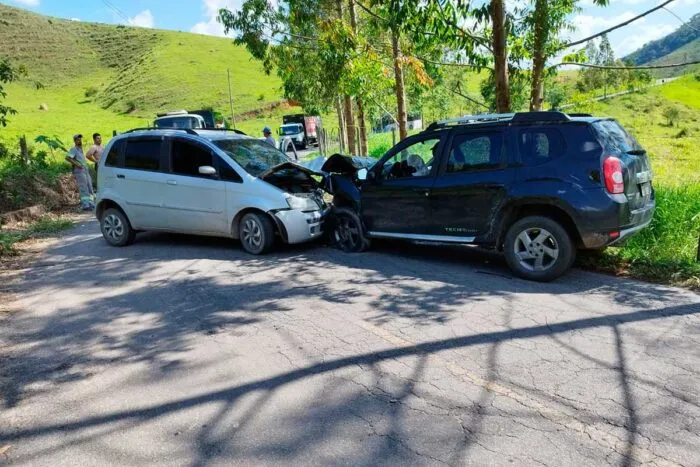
column 179, row 119
column 206, row 182
column 294, row 132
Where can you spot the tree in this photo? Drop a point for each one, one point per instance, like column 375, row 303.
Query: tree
column 672, row 114
column 500, row 55
column 8, row 74
column 543, row 26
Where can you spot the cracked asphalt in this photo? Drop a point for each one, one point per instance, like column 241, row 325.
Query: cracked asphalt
column 186, row 351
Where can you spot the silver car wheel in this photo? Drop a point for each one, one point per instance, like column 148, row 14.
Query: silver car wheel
column 252, row 234
column 113, row 227
column 536, row 249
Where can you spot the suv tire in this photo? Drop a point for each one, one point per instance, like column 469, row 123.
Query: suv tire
column 538, row 248
column 116, row 228
column 256, row 233
column 348, row 232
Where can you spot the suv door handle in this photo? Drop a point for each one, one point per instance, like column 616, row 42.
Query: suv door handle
column 121, row 176
column 172, row 182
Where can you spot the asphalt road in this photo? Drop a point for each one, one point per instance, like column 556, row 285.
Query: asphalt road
column 186, row 351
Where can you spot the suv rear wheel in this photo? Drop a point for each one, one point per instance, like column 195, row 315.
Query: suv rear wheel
column 538, row 248
column 116, row 228
column 257, row 233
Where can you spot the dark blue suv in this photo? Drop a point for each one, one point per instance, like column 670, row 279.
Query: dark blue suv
column 536, row 186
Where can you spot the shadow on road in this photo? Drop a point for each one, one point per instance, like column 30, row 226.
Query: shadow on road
column 421, row 284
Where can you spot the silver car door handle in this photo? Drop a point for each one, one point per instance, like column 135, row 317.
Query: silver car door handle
column 172, row 182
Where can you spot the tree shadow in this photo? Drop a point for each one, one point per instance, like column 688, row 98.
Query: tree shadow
column 145, row 305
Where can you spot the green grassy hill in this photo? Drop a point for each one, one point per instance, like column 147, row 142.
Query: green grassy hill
column 102, row 77
column 689, row 52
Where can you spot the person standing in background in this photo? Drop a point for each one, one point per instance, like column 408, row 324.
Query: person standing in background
column 95, row 152
column 267, row 133
column 77, row 160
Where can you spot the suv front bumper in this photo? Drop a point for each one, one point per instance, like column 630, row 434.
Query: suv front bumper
column 299, row 226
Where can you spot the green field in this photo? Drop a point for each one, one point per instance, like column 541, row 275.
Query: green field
column 99, row 77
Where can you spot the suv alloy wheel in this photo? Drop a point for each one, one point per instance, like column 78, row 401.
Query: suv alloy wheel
column 538, row 248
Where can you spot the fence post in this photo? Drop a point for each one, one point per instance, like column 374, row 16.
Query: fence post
column 23, row 150
column 697, row 258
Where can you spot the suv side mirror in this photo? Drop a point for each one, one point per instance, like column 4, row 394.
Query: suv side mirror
column 207, row 170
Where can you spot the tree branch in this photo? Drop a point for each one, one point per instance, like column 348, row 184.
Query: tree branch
column 457, row 91
column 625, row 23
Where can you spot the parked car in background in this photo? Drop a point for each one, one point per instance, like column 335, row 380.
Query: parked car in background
column 179, row 119
column 535, row 186
column 310, row 125
column 293, row 132
column 206, row 182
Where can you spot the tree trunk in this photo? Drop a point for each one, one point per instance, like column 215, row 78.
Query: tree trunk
column 23, row 150
column 350, row 124
column 400, row 88
column 499, row 55
column 538, row 60
column 363, row 127
column 360, row 106
column 341, row 126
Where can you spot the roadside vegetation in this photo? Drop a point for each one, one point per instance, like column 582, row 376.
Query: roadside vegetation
column 45, row 226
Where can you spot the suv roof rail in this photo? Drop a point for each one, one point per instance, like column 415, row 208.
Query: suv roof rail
column 541, row 116
column 189, row 131
column 580, row 115
column 518, row 117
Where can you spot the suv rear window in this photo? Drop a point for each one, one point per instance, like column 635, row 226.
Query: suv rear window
column 615, row 138
column 143, row 154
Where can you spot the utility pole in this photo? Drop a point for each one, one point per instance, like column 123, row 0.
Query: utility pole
column 230, row 98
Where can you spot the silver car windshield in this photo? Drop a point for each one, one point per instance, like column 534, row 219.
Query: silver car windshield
column 253, row 155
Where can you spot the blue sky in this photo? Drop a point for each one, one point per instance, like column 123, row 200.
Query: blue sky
column 199, row 16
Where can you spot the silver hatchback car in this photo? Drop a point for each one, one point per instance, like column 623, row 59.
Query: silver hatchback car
column 206, row 182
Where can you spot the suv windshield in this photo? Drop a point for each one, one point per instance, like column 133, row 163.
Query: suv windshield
column 615, row 138
column 253, row 155
column 290, row 129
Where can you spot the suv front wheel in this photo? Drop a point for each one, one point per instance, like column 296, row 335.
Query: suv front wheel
column 538, row 248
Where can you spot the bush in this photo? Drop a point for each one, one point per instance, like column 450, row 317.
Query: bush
column 682, row 134
column 261, row 96
column 672, row 114
column 91, row 91
column 131, row 106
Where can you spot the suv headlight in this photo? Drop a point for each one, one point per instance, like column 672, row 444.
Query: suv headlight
column 301, row 204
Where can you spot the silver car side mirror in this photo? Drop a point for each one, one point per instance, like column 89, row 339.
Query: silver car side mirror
column 207, row 170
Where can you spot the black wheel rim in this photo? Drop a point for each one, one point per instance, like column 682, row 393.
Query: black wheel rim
column 347, row 233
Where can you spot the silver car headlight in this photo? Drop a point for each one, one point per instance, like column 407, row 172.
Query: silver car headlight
column 301, row 204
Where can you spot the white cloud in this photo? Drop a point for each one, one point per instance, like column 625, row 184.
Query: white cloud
column 632, row 42
column 211, row 8
column 586, row 24
column 75, row 19
column 31, row 3
column 144, row 19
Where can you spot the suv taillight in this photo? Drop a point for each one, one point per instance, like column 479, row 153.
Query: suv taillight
column 612, row 174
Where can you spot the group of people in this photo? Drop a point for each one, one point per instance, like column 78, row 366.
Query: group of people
column 81, row 172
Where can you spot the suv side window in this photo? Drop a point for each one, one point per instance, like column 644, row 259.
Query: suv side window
column 540, row 145
column 142, row 154
column 416, row 160
column 475, row 151
column 186, row 158
column 112, row 159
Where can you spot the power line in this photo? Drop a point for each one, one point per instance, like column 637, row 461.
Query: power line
column 618, row 26
column 119, row 12
column 639, row 67
column 681, row 20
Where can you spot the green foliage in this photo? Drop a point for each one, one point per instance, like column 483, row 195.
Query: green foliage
column 555, row 95
column 672, row 113
column 8, row 73
column 91, row 91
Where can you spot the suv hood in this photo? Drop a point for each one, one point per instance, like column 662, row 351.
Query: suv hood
column 347, row 165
